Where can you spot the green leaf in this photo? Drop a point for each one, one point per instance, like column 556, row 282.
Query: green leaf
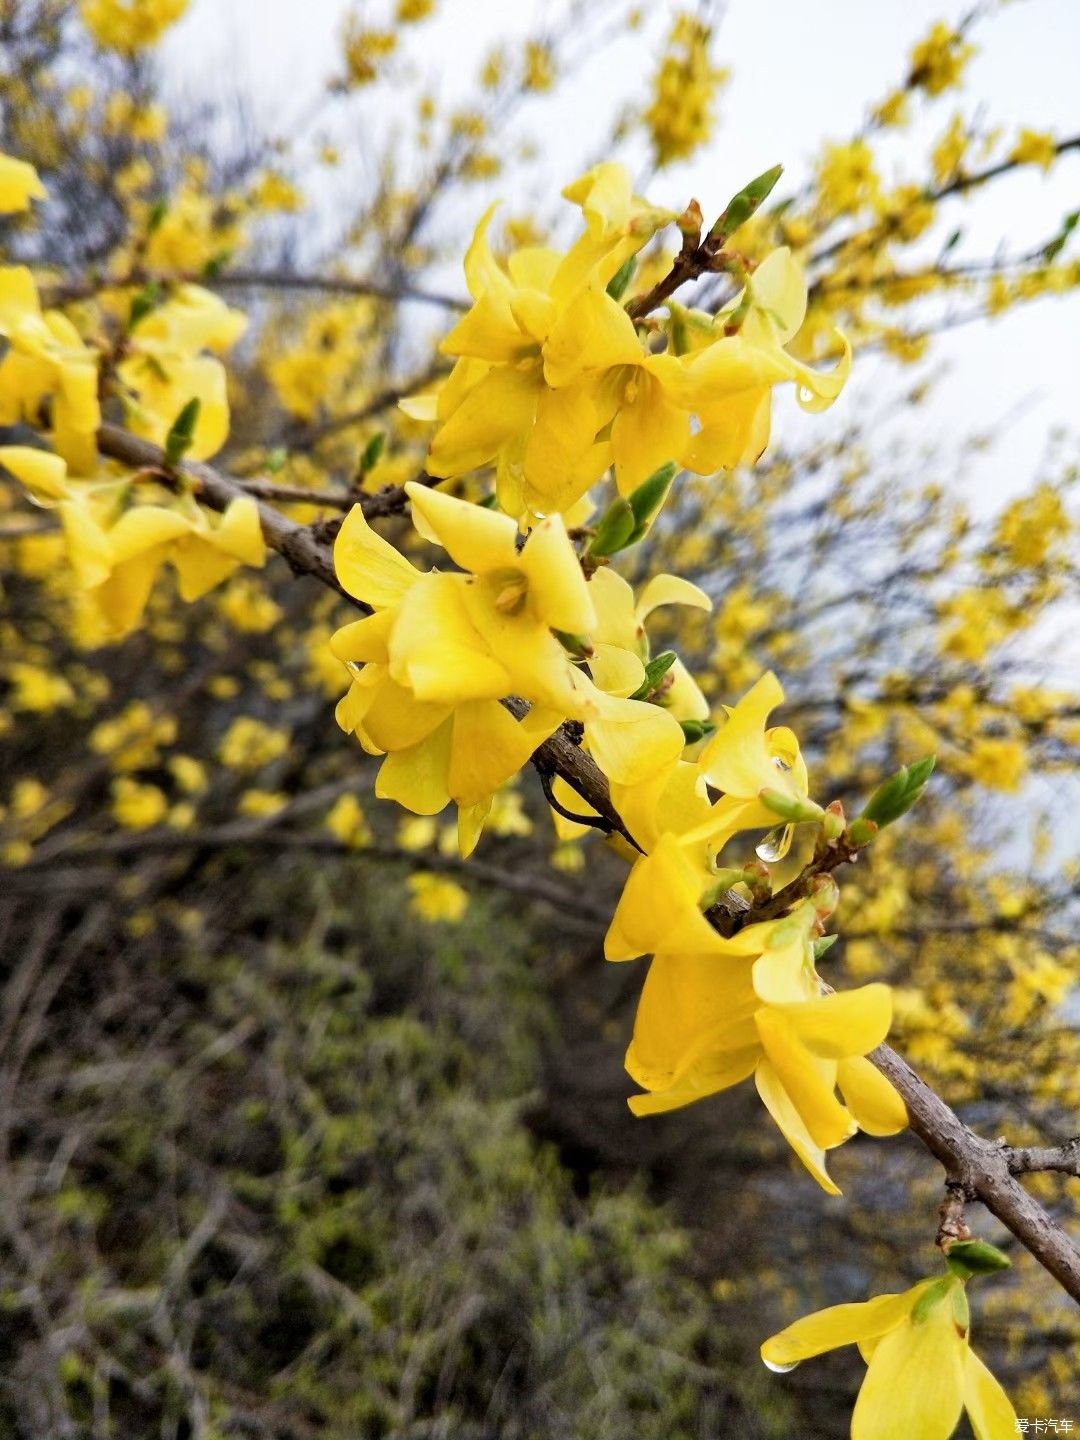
column 655, row 671
column 614, row 530
column 277, row 459
column 619, row 282
column 741, row 206
column 178, row 441
column 976, row 1257
column 823, row 945
column 158, row 211
column 899, row 793
column 148, row 299
column 371, row 454
column 648, row 499
column 1057, row 244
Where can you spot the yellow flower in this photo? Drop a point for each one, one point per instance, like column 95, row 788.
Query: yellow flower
column 435, row 898
column 261, row 804
column 137, row 806
column 937, row 62
column 714, row 1011
column 680, row 118
column 129, row 25
column 1034, row 147
column 166, row 366
column 726, row 381
column 921, row 1370
column 19, row 184
column 116, row 556
column 47, row 360
column 249, row 744
column 346, row 820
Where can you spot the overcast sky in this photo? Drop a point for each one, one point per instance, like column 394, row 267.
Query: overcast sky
column 799, row 73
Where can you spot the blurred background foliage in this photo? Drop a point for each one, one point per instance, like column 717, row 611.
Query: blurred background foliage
column 307, row 1128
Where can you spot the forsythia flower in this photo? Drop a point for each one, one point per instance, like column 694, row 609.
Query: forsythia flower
column 553, row 382
column 138, row 806
column 19, row 184
column 713, row 1013
column 165, row 367
column 47, row 360
column 436, row 898
column 1034, row 147
column 937, row 62
column 680, row 117
column 921, row 1370
column 442, row 650
column 116, row 553
column 130, row 25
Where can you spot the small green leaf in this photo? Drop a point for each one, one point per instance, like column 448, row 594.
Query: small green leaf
column 580, row 646
column 655, row 671
column 898, row 794
column 741, row 206
column 216, row 264
column 614, row 530
column 823, row 945
column 158, row 211
column 277, row 459
column 617, row 285
column 647, row 500
column 178, row 441
column 148, row 299
column 371, row 454
column 976, row 1257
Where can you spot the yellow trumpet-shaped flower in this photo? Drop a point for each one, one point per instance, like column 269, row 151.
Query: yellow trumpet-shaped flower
column 743, row 758
column 727, row 379
column 19, row 184
column 921, row 1370
column 714, row 1011
column 167, row 365
column 46, row 360
column 116, row 552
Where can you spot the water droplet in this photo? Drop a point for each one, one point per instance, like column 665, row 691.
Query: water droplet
column 780, row 1369
column 354, row 667
column 780, row 763
column 776, row 844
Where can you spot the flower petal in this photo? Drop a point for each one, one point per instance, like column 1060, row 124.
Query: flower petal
column 368, row 567
column 837, row 1326
column 875, row 1106
column 989, row 1408
column 915, row 1382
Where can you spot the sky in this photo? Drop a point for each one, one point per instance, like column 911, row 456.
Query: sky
column 800, row 73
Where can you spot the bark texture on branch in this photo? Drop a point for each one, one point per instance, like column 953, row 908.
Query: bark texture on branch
column 985, row 1169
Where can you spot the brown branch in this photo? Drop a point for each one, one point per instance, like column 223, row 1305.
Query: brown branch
column 981, row 1166
column 84, row 288
column 1030, row 1159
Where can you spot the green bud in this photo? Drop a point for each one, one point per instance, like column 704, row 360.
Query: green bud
column 825, row 895
column 216, row 264
column 823, row 945
column 619, row 282
column 975, row 1257
column 655, row 671
column 696, row 730
column 277, row 459
column 148, row 298
column 371, row 454
column 614, row 530
column 833, row 823
column 648, row 499
column 898, row 794
column 860, row 832
column 182, row 433
column 741, row 206
column 790, row 807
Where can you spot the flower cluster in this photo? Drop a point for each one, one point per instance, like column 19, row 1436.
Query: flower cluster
column 554, row 382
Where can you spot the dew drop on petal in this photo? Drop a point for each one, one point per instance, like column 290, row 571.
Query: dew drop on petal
column 776, row 844
column 354, row 667
column 780, row 1369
